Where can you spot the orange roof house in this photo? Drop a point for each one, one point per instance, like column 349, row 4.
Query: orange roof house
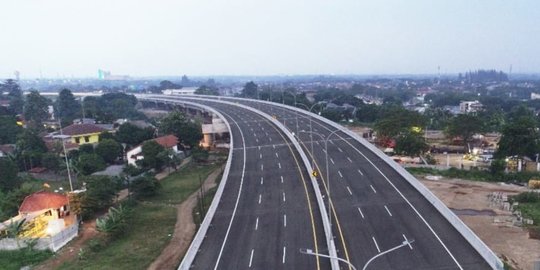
column 43, row 200
column 167, row 141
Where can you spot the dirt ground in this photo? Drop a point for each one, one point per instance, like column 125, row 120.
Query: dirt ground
column 184, row 230
column 488, row 219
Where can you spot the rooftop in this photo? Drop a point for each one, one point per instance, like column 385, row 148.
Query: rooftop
column 80, row 129
column 42, row 200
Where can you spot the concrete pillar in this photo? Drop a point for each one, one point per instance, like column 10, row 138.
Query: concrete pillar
column 208, row 139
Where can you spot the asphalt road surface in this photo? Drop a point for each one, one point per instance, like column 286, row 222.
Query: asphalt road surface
column 373, row 208
column 268, row 211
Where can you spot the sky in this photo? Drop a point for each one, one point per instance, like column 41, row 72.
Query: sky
column 52, row 38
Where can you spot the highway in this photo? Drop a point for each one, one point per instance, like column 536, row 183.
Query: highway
column 373, row 207
column 268, row 211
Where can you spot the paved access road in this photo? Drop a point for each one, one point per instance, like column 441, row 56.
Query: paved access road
column 268, row 210
column 374, row 208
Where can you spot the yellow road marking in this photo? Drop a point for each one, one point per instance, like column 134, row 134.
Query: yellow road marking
column 331, row 205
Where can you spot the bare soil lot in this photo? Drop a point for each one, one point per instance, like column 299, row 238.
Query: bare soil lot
column 494, row 225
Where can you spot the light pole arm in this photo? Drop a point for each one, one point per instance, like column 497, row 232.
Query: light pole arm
column 385, row 252
column 309, row 252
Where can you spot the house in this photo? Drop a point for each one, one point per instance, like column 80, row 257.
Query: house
column 470, row 106
column 45, row 213
column 168, row 142
column 83, row 133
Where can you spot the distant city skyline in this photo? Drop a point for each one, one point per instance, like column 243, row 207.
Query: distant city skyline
column 61, row 38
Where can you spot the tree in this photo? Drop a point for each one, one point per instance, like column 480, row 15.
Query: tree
column 207, row 90
column 86, row 149
column 100, row 191
column 28, row 149
column 163, row 85
column 109, row 150
column 50, row 161
column 90, row 163
column 397, row 120
column 8, row 175
column 36, row 109
column 150, row 151
column 133, row 135
column 15, row 95
column 464, row 126
column 410, row 144
column 145, row 186
column 67, row 107
column 189, row 134
column 115, row 223
column 519, row 137
column 9, row 128
column 250, row 90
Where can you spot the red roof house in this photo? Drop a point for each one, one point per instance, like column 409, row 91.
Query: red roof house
column 167, row 141
column 43, row 200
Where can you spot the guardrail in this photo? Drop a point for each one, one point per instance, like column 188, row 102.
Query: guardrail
column 322, row 208
column 489, row 256
column 189, row 257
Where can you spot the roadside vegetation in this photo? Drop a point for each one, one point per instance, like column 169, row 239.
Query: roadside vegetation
column 16, row 259
column 147, row 224
column 529, row 205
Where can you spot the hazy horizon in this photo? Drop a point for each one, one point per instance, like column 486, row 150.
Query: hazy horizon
column 60, row 38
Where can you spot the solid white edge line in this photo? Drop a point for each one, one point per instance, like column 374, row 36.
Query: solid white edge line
column 237, row 198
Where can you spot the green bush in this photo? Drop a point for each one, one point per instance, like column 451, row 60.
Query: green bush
column 16, row 259
column 145, row 186
column 526, row 197
column 115, row 223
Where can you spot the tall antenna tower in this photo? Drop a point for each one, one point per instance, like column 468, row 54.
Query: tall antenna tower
column 439, row 72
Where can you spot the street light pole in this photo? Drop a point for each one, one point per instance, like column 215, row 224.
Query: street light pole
column 310, row 126
column 310, row 252
column 326, row 139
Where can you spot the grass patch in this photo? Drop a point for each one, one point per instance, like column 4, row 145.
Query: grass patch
column 15, row 259
column 208, row 197
column 152, row 222
column 531, row 210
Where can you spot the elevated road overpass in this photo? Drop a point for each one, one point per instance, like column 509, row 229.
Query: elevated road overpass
column 375, row 205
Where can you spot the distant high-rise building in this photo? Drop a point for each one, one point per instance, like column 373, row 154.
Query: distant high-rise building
column 17, row 75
